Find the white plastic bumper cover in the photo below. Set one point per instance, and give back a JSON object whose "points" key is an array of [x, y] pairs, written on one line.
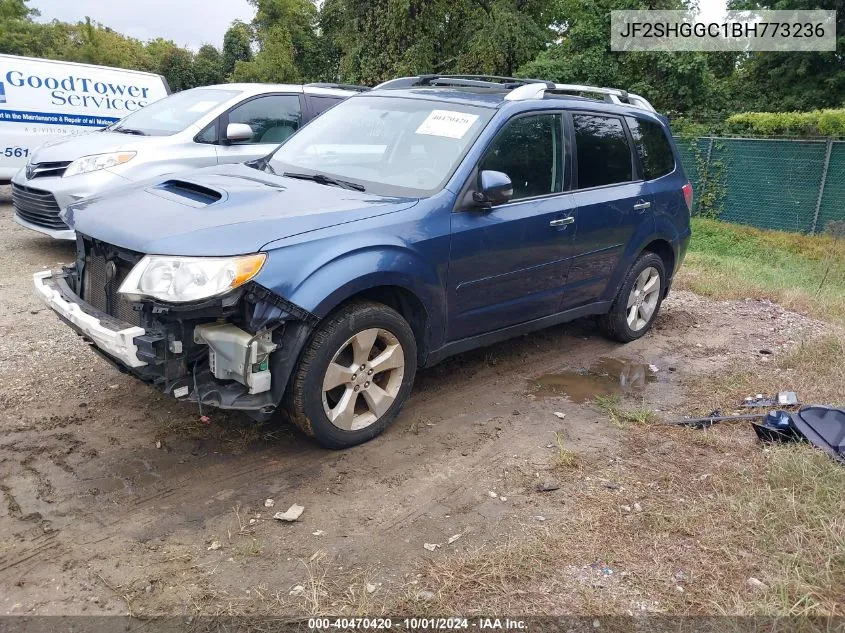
{"points": [[119, 344]]}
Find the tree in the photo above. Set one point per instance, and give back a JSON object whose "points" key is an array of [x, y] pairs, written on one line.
{"points": [[331, 28], [671, 81], [237, 46], [208, 66], [373, 40], [794, 80], [286, 32], [16, 10], [276, 62], [101, 45], [155, 52], [19, 34], [178, 67]]}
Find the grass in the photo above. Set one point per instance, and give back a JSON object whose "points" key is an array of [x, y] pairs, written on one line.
{"points": [[814, 369], [803, 503], [803, 273], [713, 515], [724, 526], [565, 458], [621, 415]]}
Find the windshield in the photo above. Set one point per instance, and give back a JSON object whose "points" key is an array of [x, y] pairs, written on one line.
{"points": [[389, 145], [174, 113]]}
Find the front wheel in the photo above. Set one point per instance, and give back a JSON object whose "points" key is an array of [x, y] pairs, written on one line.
{"points": [[638, 301], [354, 376]]}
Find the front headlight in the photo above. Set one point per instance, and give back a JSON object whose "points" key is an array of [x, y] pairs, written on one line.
{"points": [[97, 162], [180, 279]]}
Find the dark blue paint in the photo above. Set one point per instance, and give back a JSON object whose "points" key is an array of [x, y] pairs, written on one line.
{"points": [[507, 263], [605, 227], [474, 270]]}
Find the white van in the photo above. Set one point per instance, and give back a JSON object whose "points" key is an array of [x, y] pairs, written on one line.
{"points": [[42, 100]]}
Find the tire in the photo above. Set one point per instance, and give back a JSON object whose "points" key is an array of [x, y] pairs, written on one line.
{"points": [[362, 403], [619, 324]]}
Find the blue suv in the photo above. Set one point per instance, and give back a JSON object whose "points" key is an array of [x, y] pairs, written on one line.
{"points": [[429, 216]]}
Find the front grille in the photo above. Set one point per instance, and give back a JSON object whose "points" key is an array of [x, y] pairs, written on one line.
{"points": [[42, 170], [37, 207], [99, 286]]}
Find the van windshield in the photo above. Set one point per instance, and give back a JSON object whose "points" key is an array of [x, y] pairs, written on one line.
{"points": [[174, 113], [385, 145]]}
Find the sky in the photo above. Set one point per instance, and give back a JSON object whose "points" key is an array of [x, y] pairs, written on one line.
{"points": [[190, 23]]}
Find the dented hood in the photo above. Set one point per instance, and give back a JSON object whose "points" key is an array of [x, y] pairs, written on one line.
{"points": [[224, 210]]}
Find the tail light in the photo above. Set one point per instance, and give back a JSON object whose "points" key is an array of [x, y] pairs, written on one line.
{"points": [[687, 189]]}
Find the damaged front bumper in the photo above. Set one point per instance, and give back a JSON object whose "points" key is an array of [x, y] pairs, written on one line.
{"points": [[235, 352], [110, 335]]}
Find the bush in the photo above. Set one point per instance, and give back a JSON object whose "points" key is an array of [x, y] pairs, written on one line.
{"points": [[690, 128], [814, 123]]}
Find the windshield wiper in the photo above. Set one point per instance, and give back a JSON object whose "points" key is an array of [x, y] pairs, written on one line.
{"points": [[128, 130], [326, 180]]}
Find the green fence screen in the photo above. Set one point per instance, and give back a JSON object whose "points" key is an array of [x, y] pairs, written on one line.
{"points": [[784, 184]]}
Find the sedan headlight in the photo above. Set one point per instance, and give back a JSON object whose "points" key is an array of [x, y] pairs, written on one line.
{"points": [[97, 162], [181, 279]]}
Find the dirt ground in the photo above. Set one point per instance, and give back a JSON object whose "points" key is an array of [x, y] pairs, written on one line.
{"points": [[118, 500]]}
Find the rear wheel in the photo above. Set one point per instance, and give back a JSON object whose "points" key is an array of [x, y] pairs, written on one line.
{"points": [[638, 301], [354, 376]]}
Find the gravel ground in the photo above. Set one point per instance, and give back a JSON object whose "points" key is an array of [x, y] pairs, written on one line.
{"points": [[117, 499]]}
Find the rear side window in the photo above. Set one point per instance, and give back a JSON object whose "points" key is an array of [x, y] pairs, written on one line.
{"points": [[321, 104], [653, 148], [272, 118], [528, 150], [604, 157]]}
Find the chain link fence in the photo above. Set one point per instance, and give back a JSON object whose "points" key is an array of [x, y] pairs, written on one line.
{"points": [[784, 184]]}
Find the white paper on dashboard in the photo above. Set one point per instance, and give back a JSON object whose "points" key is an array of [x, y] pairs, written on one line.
{"points": [[447, 123], [202, 106]]}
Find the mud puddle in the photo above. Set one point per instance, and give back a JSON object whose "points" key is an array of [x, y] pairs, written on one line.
{"points": [[605, 377]]}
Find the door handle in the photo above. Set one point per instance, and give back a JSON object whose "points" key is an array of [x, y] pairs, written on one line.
{"points": [[562, 221], [641, 206]]}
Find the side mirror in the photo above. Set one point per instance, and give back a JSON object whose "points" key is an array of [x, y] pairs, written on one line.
{"points": [[494, 187], [238, 132]]}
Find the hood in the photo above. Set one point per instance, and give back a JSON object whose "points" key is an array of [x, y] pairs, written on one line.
{"points": [[73, 147], [224, 210]]}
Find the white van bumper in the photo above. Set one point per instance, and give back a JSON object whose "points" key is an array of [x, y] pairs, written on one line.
{"points": [[59, 234], [64, 191]]}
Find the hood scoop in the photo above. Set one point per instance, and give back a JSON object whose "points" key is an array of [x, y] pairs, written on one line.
{"points": [[188, 193]]}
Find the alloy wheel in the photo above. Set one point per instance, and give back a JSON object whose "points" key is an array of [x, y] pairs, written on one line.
{"points": [[642, 302], [363, 379]]}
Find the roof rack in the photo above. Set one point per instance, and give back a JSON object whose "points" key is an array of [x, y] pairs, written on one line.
{"points": [[520, 89], [493, 82], [611, 95], [338, 86]]}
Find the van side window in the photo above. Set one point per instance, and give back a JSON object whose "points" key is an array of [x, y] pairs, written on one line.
{"points": [[528, 150], [653, 148], [321, 104], [604, 157], [272, 118], [209, 134]]}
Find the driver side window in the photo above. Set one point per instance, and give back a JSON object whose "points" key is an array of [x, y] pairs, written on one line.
{"points": [[272, 118], [529, 150]]}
